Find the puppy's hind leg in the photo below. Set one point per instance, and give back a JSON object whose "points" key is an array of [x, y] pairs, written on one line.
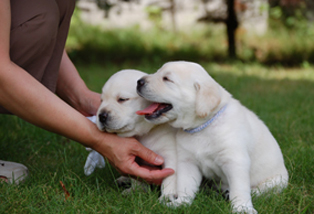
{"points": [[237, 173], [273, 185]]}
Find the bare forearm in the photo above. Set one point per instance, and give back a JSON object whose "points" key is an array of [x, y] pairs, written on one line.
{"points": [[25, 97], [69, 83], [72, 89]]}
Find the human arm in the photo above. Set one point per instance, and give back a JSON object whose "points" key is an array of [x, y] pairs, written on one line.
{"points": [[72, 89], [27, 98]]}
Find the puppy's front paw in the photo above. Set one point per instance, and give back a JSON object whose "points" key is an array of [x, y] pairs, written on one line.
{"points": [[167, 198], [180, 201], [244, 210]]}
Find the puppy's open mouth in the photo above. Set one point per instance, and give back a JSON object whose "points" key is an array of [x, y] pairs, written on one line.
{"points": [[155, 110]]}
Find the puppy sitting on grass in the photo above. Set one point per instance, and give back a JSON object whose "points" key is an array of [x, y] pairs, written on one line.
{"points": [[117, 114], [219, 138]]}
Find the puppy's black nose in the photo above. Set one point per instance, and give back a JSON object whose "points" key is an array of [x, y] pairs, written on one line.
{"points": [[103, 117], [140, 82]]}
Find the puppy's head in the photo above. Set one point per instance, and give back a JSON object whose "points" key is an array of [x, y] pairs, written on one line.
{"points": [[117, 112], [182, 93]]}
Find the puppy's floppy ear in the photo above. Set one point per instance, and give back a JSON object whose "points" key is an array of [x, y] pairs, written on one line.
{"points": [[208, 97]]}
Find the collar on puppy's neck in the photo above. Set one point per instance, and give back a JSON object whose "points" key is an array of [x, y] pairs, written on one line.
{"points": [[204, 125]]}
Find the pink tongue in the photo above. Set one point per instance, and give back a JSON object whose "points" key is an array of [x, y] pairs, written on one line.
{"points": [[149, 110]]}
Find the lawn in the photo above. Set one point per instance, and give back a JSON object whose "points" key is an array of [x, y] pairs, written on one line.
{"points": [[282, 97]]}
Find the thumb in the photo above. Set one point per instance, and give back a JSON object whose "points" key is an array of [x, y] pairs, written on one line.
{"points": [[149, 156]]}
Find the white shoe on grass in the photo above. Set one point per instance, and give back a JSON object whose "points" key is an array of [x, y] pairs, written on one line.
{"points": [[11, 172]]}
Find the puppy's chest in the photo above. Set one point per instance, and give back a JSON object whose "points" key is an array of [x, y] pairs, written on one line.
{"points": [[204, 151], [199, 146], [158, 139]]}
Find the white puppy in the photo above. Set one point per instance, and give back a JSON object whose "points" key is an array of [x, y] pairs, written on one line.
{"points": [[219, 138], [117, 114]]}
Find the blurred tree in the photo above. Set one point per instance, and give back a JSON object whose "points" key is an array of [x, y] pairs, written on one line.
{"points": [[230, 12], [294, 8], [106, 5], [252, 15], [232, 25], [172, 10], [156, 8], [224, 15], [296, 15]]}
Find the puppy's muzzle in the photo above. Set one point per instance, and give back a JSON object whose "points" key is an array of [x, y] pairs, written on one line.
{"points": [[103, 116]]}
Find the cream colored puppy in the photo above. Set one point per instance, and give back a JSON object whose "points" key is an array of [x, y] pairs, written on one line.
{"points": [[117, 114], [219, 138]]}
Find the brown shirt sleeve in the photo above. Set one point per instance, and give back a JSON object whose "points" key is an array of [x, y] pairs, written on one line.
{"points": [[39, 29]]}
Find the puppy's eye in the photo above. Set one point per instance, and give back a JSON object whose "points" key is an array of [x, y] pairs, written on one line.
{"points": [[121, 100], [166, 79]]}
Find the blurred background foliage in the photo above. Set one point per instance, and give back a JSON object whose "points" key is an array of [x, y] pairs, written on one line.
{"points": [[289, 40]]}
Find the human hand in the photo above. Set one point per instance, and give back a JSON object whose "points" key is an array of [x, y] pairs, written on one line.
{"points": [[121, 153]]}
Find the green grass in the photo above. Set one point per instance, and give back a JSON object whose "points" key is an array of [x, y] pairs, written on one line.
{"points": [[283, 99]]}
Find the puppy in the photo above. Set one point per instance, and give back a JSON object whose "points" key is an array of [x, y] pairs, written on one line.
{"points": [[218, 138], [117, 114]]}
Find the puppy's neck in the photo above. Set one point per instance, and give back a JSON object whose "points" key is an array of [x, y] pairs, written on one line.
{"points": [[207, 123], [142, 129]]}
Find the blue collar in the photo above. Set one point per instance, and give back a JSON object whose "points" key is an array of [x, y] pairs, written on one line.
{"points": [[203, 126]]}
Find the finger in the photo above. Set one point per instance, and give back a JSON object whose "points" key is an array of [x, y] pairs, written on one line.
{"points": [[152, 175], [154, 180], [148, 155]]}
